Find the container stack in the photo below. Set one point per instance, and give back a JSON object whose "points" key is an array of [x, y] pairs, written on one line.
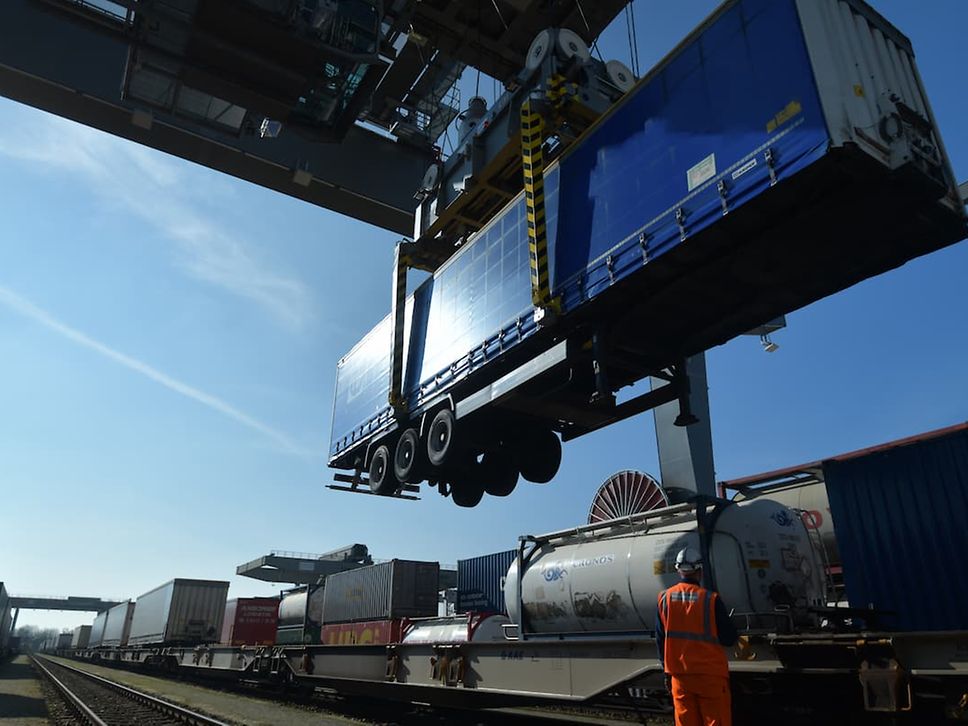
{"points": [[370, 605]]}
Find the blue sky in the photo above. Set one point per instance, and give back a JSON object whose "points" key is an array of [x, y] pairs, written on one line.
{"points": [[169, 336]]}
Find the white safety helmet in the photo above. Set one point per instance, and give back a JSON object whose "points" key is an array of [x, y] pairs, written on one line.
{"points": [[688, 560]]}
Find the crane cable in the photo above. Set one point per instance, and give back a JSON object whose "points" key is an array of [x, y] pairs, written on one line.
{"points": [[633, 37]]}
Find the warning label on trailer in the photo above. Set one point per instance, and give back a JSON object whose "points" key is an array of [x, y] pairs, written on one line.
{"points": [[701, 172]]}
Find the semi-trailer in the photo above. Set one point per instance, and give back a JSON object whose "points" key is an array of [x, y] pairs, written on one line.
{"points": [[785, 150]]}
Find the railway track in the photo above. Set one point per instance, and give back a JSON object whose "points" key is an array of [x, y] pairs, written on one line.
{"points": [[97, 701]]}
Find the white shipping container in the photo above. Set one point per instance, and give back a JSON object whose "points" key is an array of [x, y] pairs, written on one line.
{"points": [[117, 627], [870, 88], [180, 611], [81, 637], [97, 629]]}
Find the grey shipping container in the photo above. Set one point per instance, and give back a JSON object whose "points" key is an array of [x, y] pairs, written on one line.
{"points": [[480, 582], [117, 627], [180, 611], [81, 637], [63, 641], [900, 515], [97, 629], [394, 589]]}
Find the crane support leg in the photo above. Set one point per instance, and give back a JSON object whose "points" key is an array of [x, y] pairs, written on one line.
{"points": [[686, 452]]}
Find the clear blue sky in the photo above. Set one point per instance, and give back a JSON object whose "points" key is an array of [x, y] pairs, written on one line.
{"points": [[169, 336]]}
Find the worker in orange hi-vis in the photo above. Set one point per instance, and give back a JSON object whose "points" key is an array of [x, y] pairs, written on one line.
{"points": [[692, 626]]}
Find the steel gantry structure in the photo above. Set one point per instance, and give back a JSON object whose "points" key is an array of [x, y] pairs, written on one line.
{"points": [[338, 104]]}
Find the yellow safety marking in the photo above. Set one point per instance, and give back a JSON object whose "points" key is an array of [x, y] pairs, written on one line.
{"points": [[532, 132], [792, 109]]}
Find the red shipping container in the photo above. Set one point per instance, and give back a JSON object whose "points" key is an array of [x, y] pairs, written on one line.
{"points": [[250, 621], [372, 632]]}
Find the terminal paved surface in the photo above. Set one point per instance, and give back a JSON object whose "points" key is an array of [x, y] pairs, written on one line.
{"points": [[21, 698]]}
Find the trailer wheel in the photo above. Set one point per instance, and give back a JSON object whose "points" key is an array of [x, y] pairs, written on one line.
{"points": [[440, 437], [466, 492], [498, 473], [408, 459], [539, 457], [382, 480]]}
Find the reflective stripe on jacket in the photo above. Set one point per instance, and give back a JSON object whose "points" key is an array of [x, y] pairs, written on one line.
{"points": [[688, 614]]}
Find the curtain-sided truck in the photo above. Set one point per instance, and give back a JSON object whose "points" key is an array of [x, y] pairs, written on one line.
{"points": [[782, 152]]}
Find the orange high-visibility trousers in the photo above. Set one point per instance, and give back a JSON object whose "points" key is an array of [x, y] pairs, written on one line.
{"points": [[701, 700]]}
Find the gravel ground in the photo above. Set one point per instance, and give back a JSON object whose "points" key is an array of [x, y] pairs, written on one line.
{"points": [[225, 706], [22, 702]]}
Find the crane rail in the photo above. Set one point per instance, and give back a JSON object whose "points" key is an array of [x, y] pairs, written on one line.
{"points": [[85, 711]]}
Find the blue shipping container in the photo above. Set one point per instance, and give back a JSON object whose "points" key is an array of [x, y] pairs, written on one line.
{"points": [[900, 516], [480, 582], [745, 110]]}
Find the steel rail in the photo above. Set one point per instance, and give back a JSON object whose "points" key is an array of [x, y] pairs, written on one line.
{"points": [[180, 714], [73, 701]]}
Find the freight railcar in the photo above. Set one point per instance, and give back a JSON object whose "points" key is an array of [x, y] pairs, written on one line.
{"points": [[582, 606], [785, 150]]}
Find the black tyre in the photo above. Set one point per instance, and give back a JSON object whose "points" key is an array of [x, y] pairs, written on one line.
{"points": [[498, 473], [408, 458], [466, 492], [382, 480], [539, 456], [441, 436]]}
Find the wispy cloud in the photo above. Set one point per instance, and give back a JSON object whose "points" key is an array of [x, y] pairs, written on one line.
{"points": [[23, 306], [165, 195]]}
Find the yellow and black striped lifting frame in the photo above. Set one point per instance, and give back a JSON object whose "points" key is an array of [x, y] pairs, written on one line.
{"points": [[533, 135]]}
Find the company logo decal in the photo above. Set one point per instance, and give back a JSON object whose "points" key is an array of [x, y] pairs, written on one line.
{"points": [[782, 517]]}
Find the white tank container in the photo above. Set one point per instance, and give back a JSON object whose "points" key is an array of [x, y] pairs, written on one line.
{"points": [[609, 580], [457, 629], [812, 500]]}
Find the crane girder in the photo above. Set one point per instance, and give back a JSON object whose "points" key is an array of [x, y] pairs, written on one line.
{"points": [[215, 87]]}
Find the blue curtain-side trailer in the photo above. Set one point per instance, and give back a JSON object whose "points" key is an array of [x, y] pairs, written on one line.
{"points": [[782, 152]]}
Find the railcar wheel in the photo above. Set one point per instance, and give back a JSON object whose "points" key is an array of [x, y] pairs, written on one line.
{"points": [[408, 459], [382, 480], [498, 473], [441, 436], [466, 492], [539, 457]]}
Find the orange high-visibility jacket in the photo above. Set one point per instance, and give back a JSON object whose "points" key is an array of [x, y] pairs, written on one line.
{"points": [[688, 614]]}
